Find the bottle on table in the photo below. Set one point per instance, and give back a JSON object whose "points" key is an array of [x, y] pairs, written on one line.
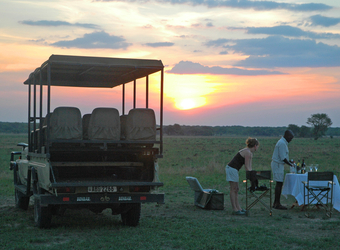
{"points": [[303, 167], [298, 167], [293, 167]]}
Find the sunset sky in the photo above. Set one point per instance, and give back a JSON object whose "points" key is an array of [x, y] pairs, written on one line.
{"points": [[227, 62]]}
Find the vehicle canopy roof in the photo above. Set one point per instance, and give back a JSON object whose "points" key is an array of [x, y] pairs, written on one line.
{"points": [[84, 71]]}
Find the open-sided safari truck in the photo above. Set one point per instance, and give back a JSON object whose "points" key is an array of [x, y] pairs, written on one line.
{"points": [[96, 161]]}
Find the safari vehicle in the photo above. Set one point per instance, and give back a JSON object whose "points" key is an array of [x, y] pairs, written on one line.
{"points": [[96, 161]]}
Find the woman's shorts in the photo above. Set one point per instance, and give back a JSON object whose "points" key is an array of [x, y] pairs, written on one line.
{"points": [[278, 171], [232, 174]]}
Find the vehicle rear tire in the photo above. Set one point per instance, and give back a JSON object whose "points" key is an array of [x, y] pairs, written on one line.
{"points": [[21, 201], [96, 210], [58, 210], [131, 216], [42, 215]]}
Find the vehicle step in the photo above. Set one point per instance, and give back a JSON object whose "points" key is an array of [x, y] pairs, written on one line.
{"points": [[21, 189], [97, 164]]}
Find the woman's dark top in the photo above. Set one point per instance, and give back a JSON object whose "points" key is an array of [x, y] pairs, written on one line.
{"points": [[237, 162]]}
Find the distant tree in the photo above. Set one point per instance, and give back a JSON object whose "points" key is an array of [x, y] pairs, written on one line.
{"points": [[305, 131], [295, 129], [320, 124]]}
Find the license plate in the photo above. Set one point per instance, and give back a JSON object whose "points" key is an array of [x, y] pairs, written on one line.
{"points": [[100, 189]]}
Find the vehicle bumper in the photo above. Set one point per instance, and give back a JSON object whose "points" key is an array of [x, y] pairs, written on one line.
{"points": [[98, 199]]}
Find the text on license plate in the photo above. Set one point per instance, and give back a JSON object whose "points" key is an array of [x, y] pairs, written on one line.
{"points": [[109, 189]]}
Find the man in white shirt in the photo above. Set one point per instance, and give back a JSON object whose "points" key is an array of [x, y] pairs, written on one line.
{"points": [[280, 157]]}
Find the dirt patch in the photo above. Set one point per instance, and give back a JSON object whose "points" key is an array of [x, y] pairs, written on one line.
{"points": [[6, 202]]}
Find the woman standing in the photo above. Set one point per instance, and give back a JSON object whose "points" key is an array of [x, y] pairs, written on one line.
{"points": [[243, 157]]}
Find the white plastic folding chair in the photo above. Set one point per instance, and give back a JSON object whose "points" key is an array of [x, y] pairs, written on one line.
{"points": [[202, 196]]}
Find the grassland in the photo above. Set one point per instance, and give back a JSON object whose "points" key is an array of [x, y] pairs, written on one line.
{"points": [[178, 224]]}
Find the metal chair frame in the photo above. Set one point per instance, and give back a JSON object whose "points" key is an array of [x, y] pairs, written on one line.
{"points": [[319, 192], [258, 194]]}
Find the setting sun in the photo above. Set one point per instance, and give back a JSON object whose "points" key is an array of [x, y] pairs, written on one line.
{"points": [[190, 103], [190, 91]]}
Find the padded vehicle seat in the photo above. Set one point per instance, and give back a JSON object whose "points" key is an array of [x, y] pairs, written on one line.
{"points": [[141, 125], [123, 119], [86, 121], [104, 124], [66, 124]]}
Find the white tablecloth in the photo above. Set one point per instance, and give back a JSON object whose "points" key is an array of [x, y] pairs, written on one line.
{"points": [[293, 186]]}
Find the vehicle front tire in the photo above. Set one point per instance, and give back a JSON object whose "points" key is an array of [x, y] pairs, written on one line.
{"points": [[42, 215], [131, 216]]}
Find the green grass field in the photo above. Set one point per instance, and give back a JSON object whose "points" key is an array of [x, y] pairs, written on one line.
{"points": [[178, 224]]}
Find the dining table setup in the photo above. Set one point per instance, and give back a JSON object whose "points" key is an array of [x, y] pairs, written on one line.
{"points": [[294, 185]]}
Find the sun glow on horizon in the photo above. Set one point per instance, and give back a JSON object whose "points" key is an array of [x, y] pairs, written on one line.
{"points": [[189, 91], [190, 103]]}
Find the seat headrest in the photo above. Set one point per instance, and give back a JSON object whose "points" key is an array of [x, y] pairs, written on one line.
{"points": [[104, 124], [65, 123], [194, 184]]}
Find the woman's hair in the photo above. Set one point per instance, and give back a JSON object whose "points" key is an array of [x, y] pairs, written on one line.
{"points": [[252, 142]]}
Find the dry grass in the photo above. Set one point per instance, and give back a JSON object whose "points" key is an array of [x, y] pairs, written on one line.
{"points": [[178, 224]]}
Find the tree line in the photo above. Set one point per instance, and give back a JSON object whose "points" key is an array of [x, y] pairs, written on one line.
{"points": [[13, 127], [319, 126], [302, 132]]}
